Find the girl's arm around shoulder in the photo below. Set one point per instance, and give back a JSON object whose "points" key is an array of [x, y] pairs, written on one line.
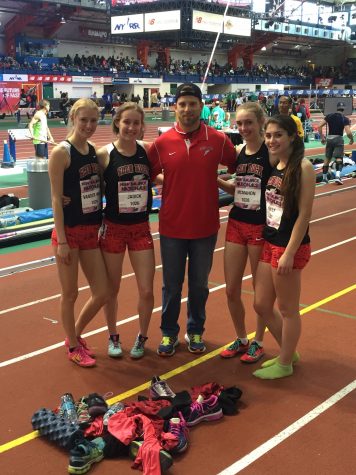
{"points": [[227, 185], [103, 157], [145, 145]]}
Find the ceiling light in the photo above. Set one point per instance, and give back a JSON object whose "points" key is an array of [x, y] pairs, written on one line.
{"points": [[263, 48], [63, 20]]}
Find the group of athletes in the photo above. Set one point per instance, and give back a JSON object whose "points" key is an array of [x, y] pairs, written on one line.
{"points": [[268, 225]]}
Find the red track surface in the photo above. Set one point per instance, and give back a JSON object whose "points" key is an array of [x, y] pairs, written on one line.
{"points": [[35, 374]]}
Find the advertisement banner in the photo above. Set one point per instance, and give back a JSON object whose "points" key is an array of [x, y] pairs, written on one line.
{"points": [[127, 24], [145, 81], [102, 80], [204, 21], [93, 33], [15, 77], [162, 21], [86, 79], [49, 78], [324, 82], [10, 94], [237, 26]]}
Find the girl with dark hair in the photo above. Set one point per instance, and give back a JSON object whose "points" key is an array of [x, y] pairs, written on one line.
{"points": [[289, 201], [126, 173]]}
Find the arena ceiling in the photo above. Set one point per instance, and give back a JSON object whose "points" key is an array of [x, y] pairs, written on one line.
{"points": [[63, 19]]}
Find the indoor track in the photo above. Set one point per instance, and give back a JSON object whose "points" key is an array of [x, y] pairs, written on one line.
{"points": [[302, 424]]}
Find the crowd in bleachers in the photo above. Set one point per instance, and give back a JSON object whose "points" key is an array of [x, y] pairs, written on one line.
{"points": [[111, 65]]}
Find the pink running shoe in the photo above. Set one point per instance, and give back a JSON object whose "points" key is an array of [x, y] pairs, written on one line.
{"points": [[81, 342], [80, 357]]}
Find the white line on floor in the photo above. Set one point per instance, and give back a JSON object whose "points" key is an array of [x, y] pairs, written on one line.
{"points": [[288, 431], [134, 317]]}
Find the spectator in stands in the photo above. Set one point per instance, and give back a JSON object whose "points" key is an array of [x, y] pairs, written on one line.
{"points": [[126, 172], [285, 108], [334, 140], [289, 200], [39, 130], [183, 232], [74, 172]]}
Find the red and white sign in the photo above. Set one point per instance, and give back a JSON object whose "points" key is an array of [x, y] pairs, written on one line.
{"points": [[324, 82], [10, 94], [49, 78]]}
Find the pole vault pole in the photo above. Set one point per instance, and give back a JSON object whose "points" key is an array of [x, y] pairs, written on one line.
{"points": [[214, 47]]}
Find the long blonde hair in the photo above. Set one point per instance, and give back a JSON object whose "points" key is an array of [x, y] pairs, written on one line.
{"points": [[80, 104]]}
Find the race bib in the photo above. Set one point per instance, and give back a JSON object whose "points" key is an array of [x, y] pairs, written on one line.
{"points": [[133, 196], [248, 192], [90, 194], [274, 208]]}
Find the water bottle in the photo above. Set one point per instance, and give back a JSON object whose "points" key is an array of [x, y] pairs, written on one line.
{"points": [[68, 408]]}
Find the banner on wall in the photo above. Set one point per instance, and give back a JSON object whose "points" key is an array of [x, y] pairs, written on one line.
{"points": [[49, 78], [324, 82], [15, 77], [102, 80], [10, 94]]}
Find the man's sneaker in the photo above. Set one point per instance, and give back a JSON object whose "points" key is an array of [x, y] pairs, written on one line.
{"points": [[159, 389], [253, 354], [168, 345], [117, 407], [195, 343], [80, 357], [204, 410], [325, 180], [114, 347], [83, 456], [236, 347], [138, 349], [81, 342], [178, 427], [165, 458], [338, 181]]}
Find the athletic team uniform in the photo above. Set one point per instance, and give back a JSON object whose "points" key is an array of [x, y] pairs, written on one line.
{"points": [[247, 217], [278, 229], [128, 202], [190, 204], [81, 183]]}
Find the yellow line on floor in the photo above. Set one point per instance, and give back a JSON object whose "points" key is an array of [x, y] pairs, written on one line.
{"points": [[132, 392]]}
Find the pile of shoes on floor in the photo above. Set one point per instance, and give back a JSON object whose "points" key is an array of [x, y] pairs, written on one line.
{"points": [[149, 430]]}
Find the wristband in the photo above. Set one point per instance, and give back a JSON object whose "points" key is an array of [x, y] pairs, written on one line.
{"points": [[62, 243]]}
